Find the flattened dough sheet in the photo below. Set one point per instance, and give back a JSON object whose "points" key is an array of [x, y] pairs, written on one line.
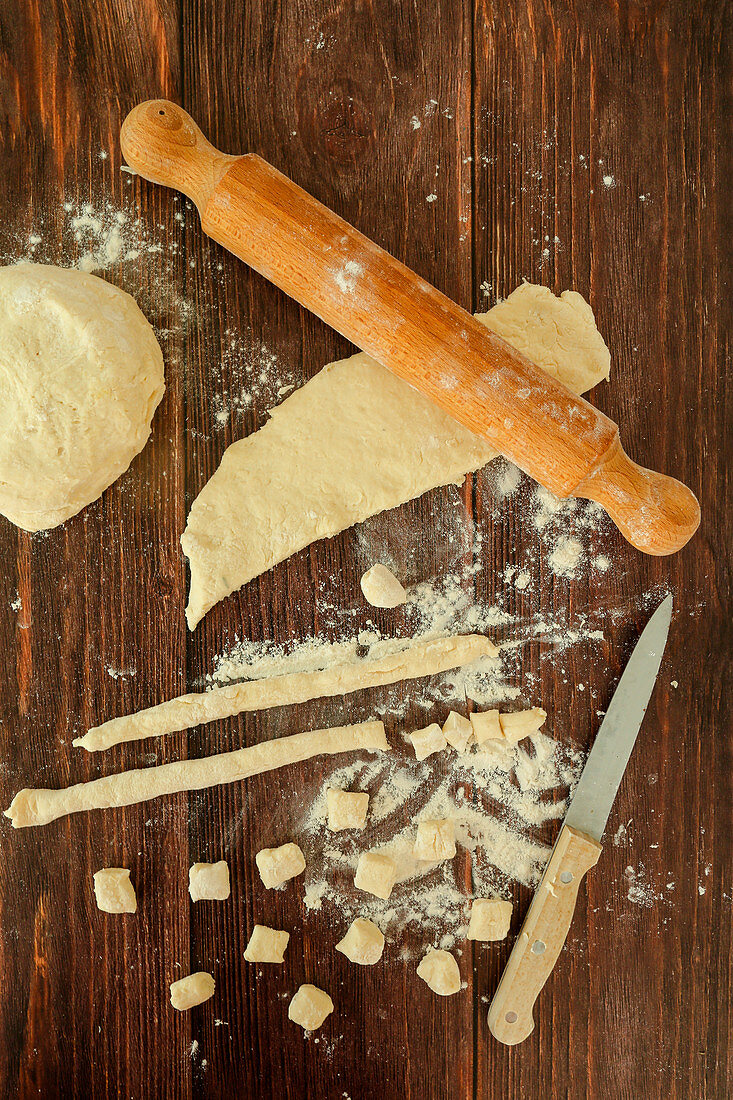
{"points": [[39, 807], [355, 440], [415, 659]]}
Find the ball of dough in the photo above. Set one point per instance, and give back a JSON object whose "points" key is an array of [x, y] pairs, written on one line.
{"points": [[81, 374]]}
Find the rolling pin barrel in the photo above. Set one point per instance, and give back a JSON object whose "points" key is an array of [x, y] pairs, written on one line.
{"points": [[410, 327]]}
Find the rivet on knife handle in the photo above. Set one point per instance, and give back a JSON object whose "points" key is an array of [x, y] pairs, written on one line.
{"points": [[410, 327], [542, 936]]}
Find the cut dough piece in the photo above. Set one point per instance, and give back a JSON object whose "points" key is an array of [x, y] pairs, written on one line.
{"points": [[81, 377], [375, 874], [440, 971], [413, 660], [427, 741], [278, 865], [381, 588], [378, 444], [521, 723], [458, 731], [266, 945], [38, 807], [363, 942], [486, 726], [309, 1007], [209, 881], [490, 919], [436, 840], [114, 891], [346, 809], [191, 991]]}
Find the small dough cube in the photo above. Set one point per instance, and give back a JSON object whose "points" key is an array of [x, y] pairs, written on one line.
{"points": [[346, 809], [375, 874], [309, 1007], [521, 723], [486, 726], [435, 840], [209, 881], [114, 891], [490, 919], [363, 942], [458, 731], [427, 741], [277, 865], [191, 991], [266, 945], [381, 588], [440, 971]]}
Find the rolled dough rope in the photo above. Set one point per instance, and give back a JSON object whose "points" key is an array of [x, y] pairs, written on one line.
{"points": [[418, 659], [39, 807]]}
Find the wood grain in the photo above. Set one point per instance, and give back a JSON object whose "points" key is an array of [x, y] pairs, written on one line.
{"points": [[523, 108]]}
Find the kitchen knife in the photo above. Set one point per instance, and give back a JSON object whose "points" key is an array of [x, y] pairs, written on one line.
{"points": [[578, 846]]}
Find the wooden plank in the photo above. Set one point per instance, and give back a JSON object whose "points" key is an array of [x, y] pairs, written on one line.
{"points": [[597, 167], [329, 99], [83, 1003]]}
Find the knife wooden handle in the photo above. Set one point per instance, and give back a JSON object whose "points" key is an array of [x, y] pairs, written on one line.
{"points": [[541, 937], [410, 327]]}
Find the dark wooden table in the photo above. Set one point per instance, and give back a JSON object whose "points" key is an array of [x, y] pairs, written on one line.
{"points": [[523, 107]]}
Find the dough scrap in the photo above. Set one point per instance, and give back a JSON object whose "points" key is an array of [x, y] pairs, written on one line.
{"points": [[209, 881], [458, 731], [375, 874], [363, 943], [381, 588], [521, 723], [81, 374], [279, 865], [415, 659], [114, 891], [436, 840], [39, 807], [378, 444], [486, 726], [439, 970], [427, 741], [266, 945], [309, 1007], [490, 919], [346, 809], [192, 990]]}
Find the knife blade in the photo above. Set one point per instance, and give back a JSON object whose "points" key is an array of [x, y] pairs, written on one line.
{"points": [[577, 848]]}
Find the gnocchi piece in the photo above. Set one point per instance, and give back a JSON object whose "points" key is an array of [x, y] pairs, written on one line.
{"points": [[428, 740], [309, 1007], [381, 588], [521, 723], [439, 970], [191, 991], [114, 891], [490, 919], [346, 809], [375, 874], [209, 881], [277, 865], [458, 731], [435, 840], [487, 726], [363, 942], [266, 945]]}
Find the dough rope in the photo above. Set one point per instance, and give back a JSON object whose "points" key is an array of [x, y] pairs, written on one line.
{"points": [[39, 807], [417, 659]]}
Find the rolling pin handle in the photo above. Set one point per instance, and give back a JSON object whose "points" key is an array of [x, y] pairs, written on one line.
{"points": [[654, 512], [164, 145]]}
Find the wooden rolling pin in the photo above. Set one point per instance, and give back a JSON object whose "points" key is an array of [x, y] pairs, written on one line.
{"points": [[410, 327]]}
